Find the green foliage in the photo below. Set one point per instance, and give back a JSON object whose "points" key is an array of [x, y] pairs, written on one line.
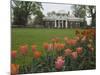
{"points": [[23, 9], [79, 10]]}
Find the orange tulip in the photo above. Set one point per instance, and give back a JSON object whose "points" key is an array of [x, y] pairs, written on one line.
{"points": [[74, 55], [79, 50], [59, 46], [13, 54], [23, 49], [14, 69], [55, 40], [71, 42], [67, 52], [62, 46], [37, 54], [46, 46]]}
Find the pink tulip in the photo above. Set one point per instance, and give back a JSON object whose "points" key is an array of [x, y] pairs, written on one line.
{"points": [[50, 47], [74, 55], [79, 50], [23, 49], [67, 52], [59, 63]]}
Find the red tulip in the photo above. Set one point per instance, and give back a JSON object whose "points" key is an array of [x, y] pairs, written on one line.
{"points": [[13, 54], [79, 50], [23, 49], [91, 49], [74, 55], [33, 48]]}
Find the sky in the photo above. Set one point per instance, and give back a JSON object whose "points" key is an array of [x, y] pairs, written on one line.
{"points": [[48, 7]]}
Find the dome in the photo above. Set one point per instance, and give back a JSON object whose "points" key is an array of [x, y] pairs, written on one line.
{"points": [[62, 12]]}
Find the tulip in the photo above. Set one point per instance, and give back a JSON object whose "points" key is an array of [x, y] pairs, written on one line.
{"points": [[89, 45], [37, 54], [59, 46], [14, 69], [13, 54], [77, 38], [67, 52], [91, 49], [59, 63], [71, 42], [55, 40], [83, 39], [74, 55], [46, 46], [33, 48], [23, 49], [79, 50], [50, 47], [62, 46], [65, 38]]}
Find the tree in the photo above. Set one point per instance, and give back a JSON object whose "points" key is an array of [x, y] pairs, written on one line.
{"points": [[82, 11], [79, 11], [39, 18], [92, 13], [23, 9], [51, 13]]}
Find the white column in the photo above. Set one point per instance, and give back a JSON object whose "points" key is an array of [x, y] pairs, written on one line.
{"points": [[66, 24], [55, 24], [62, 24], [58, 23]]}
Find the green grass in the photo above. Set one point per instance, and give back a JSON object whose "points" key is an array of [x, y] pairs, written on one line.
{"points": [[36, 36]]}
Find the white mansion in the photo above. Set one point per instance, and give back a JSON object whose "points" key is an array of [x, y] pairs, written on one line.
{"points": [[62, 20]]}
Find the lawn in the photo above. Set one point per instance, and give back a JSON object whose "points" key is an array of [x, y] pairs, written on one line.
{"points": [[37, 36], [31, 36]]}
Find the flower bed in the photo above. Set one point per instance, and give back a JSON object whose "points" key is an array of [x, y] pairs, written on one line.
{"points": [[74, 54]]}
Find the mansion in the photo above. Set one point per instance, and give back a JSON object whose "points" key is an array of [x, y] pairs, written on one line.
{"points": [[62, 20]]}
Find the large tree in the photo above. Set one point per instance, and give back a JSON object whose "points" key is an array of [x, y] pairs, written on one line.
{"points": [[38, 20], [79, 10], [92, 13], [83, 10], [23, 9]]}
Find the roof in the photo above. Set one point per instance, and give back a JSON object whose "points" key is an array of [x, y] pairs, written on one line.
{"points": [[69, 18]]}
